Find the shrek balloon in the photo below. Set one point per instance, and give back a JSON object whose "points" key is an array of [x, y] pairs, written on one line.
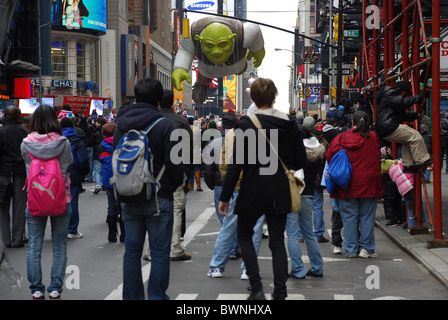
{"points": [[222, 46]]}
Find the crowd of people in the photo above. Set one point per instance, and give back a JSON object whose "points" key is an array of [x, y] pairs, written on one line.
{"points": [[245, 200]]}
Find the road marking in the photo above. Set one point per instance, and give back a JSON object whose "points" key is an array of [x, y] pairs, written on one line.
{"points": [[208, 234], [191, 232], [344, 297], [306, 259], [187, 296]]}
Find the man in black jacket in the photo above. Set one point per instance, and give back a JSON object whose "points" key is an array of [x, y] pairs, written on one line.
{"points": [[180, 195], [392, 105], [12, 179], [140, 215]]}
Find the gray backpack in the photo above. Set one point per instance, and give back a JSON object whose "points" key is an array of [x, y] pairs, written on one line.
{"points": [[132, 166]]}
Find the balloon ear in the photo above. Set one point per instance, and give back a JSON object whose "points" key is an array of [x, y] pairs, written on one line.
{"points": [[233, 36], [198, 38]]}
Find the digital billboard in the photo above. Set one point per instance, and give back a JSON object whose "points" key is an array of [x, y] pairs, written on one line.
{"points": [[88, 16], [28, 106]]}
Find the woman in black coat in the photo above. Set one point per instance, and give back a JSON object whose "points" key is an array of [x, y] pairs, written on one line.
{"points": [[264, 190]]}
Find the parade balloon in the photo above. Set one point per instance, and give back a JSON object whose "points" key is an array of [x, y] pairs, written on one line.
{"points": [[222, 46]]}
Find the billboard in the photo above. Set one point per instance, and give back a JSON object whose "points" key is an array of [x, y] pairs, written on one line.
{"points": [[88, 16], [108, 44], [7, 8], [129, 64]]}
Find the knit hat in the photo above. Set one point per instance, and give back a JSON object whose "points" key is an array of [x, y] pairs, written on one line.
{"points": [[66, 123], [341, 108], [108, 129], [309, 123], [386, 153], [228, 120]]}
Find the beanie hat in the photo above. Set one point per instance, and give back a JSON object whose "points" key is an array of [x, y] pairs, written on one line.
{"points": [[341, 108], [228, 120], [386, 153], [66, 123], [309, 123], [108, 129]]}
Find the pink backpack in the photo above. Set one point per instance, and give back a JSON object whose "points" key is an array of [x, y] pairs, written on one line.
{"points": [[46, 188]]}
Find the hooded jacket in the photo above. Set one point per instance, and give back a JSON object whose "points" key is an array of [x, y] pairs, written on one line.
{"points": [[392, 110], [364, 155], [48, 146], [138, 116], [106, 152], [264, 193]]}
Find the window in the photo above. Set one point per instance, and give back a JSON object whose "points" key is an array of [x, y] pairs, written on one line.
{"points": [[80, 61], [59, 59], [93, 70]]}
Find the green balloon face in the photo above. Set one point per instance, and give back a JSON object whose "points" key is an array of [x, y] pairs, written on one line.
{"points": [[217, 42]]}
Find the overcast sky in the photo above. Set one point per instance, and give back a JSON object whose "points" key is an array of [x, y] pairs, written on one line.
{"points": [[275, 64]]}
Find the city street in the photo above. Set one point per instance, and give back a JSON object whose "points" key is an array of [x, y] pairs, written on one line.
{"points": [[393, 275]]}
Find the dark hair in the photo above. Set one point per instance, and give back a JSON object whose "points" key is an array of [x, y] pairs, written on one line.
{"points": [[403, 86], [45, 121], [167, 99], [361, 121], [101, 120], [263, 92], [148, 91]]}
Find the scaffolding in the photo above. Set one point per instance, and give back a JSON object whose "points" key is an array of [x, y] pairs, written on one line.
{"points": [[414, 40]]}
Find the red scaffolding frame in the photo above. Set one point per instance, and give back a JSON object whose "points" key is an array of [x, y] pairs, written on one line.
{"points": [[410, 72]]}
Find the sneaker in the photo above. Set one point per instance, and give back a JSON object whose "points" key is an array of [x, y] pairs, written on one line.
{"points": [[336, 250], [55, 295], [392, 223], [38, 296], [97, 190], [365, 254], [351, 255], [77, 235], [244, 275], [214, 273]]}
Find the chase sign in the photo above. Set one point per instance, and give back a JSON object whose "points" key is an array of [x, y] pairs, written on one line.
{"points": [[201, 5]]}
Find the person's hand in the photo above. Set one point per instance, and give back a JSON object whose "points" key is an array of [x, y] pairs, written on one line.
{"points": [[223, 208]]}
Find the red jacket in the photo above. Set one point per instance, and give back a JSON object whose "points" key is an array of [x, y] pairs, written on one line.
{"points": [[364, 155]]}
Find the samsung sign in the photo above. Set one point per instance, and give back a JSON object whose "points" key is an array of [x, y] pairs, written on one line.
{"points": [[201, 5]]}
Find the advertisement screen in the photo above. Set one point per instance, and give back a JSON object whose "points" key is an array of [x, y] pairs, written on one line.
{"points": [[80, 15], [97, 105], [28, 106]]}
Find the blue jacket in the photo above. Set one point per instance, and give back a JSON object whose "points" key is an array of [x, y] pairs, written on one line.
{"points": [[107, 149], [80, 166]]}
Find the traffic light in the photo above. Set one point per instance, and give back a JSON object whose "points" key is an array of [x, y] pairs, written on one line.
{"points": [[333, 92], [302, 94], [186, 28], [336, 31]]}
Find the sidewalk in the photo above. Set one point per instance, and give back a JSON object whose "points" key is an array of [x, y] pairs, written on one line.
{"points": [[435, 260]]}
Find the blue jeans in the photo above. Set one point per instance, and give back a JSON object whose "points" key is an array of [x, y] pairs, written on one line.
{"points": [[90, 152], [358, 218], [409, 199], [139, 219], [36, 233], [97, 170], [318, 203], [228, 237], [75, 189], [304, 219]]}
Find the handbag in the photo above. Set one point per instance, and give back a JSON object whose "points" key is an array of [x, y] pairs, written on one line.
{"points": [[340, 169], [295, 178]]}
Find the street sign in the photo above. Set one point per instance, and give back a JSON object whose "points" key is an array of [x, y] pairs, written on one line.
{"points": [[351, 33], [333, 72]]}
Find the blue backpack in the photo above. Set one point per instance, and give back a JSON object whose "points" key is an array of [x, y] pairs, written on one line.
{"points": [[339, 171], [132, 165]]}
